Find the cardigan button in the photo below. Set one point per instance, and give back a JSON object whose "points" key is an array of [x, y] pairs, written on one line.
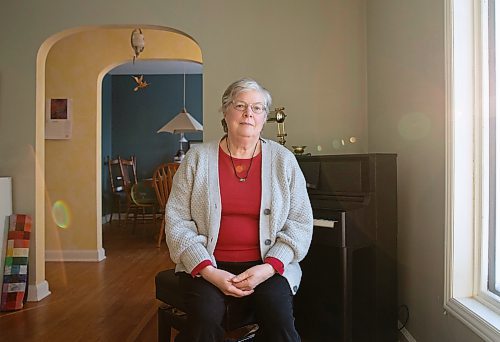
{"points": [[267, 211], [267, 242], [295, 288]]}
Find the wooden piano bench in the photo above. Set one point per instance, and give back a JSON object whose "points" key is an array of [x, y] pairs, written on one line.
{"points": [[239, 325]]}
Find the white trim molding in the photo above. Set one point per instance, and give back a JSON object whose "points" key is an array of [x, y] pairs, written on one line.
{"points": [[477, 316], [38, 292], [405, 334], [90, 255]]}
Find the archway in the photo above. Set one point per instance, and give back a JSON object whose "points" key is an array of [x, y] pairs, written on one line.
{"points": [[71, 65]]}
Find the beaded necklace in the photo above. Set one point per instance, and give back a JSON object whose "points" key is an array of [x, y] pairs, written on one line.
{"points": [[241, 179]]}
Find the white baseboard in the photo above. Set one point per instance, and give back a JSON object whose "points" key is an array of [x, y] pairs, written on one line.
{"points": [[406, 334], [76, 255], [101, 254], [38, 292]]}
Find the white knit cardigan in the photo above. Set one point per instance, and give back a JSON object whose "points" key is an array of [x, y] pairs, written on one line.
{"points": [[193, 211]]}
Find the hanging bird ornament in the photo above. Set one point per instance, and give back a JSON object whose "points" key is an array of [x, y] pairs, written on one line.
{"points": [[140, 82], [137, 42]]}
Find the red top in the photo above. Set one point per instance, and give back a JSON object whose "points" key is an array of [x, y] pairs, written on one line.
{"points": [[239, 226], [238, 239]]}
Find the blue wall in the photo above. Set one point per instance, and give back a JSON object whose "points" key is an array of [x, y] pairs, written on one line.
{"points": [[134, 118]]}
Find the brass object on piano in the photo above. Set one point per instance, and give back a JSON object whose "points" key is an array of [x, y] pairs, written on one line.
{"points": [[279, 118], [298, 150]]}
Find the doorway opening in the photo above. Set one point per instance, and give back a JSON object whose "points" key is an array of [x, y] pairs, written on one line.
{"points": [[131, 118]]}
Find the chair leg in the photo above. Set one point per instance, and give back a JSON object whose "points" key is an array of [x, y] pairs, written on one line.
{"points": [[164, 329], [119, 212], [135, 220], [126, 216], [161, 232], [129, 208], [116, 205]]}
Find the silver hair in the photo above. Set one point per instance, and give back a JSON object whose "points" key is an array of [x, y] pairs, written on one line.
{"points": [[242, 85]]}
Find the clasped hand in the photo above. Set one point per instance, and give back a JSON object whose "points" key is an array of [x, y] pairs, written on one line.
{"points": [[240, 285]]}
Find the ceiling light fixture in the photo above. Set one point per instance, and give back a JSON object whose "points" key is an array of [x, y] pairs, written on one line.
{"points": [[182, 123]]}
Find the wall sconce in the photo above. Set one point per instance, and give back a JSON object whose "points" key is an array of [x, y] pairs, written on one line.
{"points": [[279, 118], [137, 42]]}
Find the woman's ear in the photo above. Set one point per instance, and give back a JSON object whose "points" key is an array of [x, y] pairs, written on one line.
{"points": [[224, 124]]}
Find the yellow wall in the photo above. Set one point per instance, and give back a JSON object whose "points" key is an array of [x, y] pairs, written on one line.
{"points": [[74, 69]]}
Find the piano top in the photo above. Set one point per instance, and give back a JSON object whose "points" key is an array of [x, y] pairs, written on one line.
{"points": [[340, 182]]}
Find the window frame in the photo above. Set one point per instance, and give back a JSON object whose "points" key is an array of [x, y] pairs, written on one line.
{"points": [[466, 92]]}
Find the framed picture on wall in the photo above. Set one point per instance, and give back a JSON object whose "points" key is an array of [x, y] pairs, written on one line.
{"points": [[59, 109], [58, 118]]}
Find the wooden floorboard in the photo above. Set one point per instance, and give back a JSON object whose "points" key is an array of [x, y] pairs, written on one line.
{"points": [[111, 300]]}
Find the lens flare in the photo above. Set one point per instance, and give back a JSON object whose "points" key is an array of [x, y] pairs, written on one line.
{"points": [[414, 126], [61, 214], [336, 144], [319, 148]]}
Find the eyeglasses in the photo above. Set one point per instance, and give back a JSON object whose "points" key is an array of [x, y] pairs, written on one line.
{"points": [[257, 108]]}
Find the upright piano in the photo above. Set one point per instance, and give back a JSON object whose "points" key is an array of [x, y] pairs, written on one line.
{"points": [[349, 284]]}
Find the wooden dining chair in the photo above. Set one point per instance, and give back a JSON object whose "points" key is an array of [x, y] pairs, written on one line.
{"points": [[129, 178], [128, 169], [118, 193], [144, 199], [162, 182], [137, 202], [172, 168], [162, 185]]}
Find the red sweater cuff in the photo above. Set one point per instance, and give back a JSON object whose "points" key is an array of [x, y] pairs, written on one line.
{"points": [[200, 266], [276, 264]]}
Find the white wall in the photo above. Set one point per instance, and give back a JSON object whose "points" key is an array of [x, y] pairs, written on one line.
{"points": [[406, 115]]}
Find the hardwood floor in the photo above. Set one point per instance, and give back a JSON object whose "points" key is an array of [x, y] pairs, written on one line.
{"points": [[113, 300]]}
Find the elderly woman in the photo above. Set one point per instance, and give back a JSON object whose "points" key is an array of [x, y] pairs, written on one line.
{"points": [[238, 221]]}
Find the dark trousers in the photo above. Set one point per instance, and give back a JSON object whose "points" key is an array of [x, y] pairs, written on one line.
{"points": [[272, 302]]}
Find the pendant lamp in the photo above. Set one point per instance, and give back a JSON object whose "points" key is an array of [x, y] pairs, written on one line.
{"points": [[180, 124]]}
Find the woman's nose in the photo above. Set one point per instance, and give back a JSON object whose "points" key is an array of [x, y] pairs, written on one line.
{"points": [[248, 111]]}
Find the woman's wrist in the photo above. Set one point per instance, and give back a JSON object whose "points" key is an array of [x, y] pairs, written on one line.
{"points": [[206, 271], [269, 269], [276, 264], [196, 271]]}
